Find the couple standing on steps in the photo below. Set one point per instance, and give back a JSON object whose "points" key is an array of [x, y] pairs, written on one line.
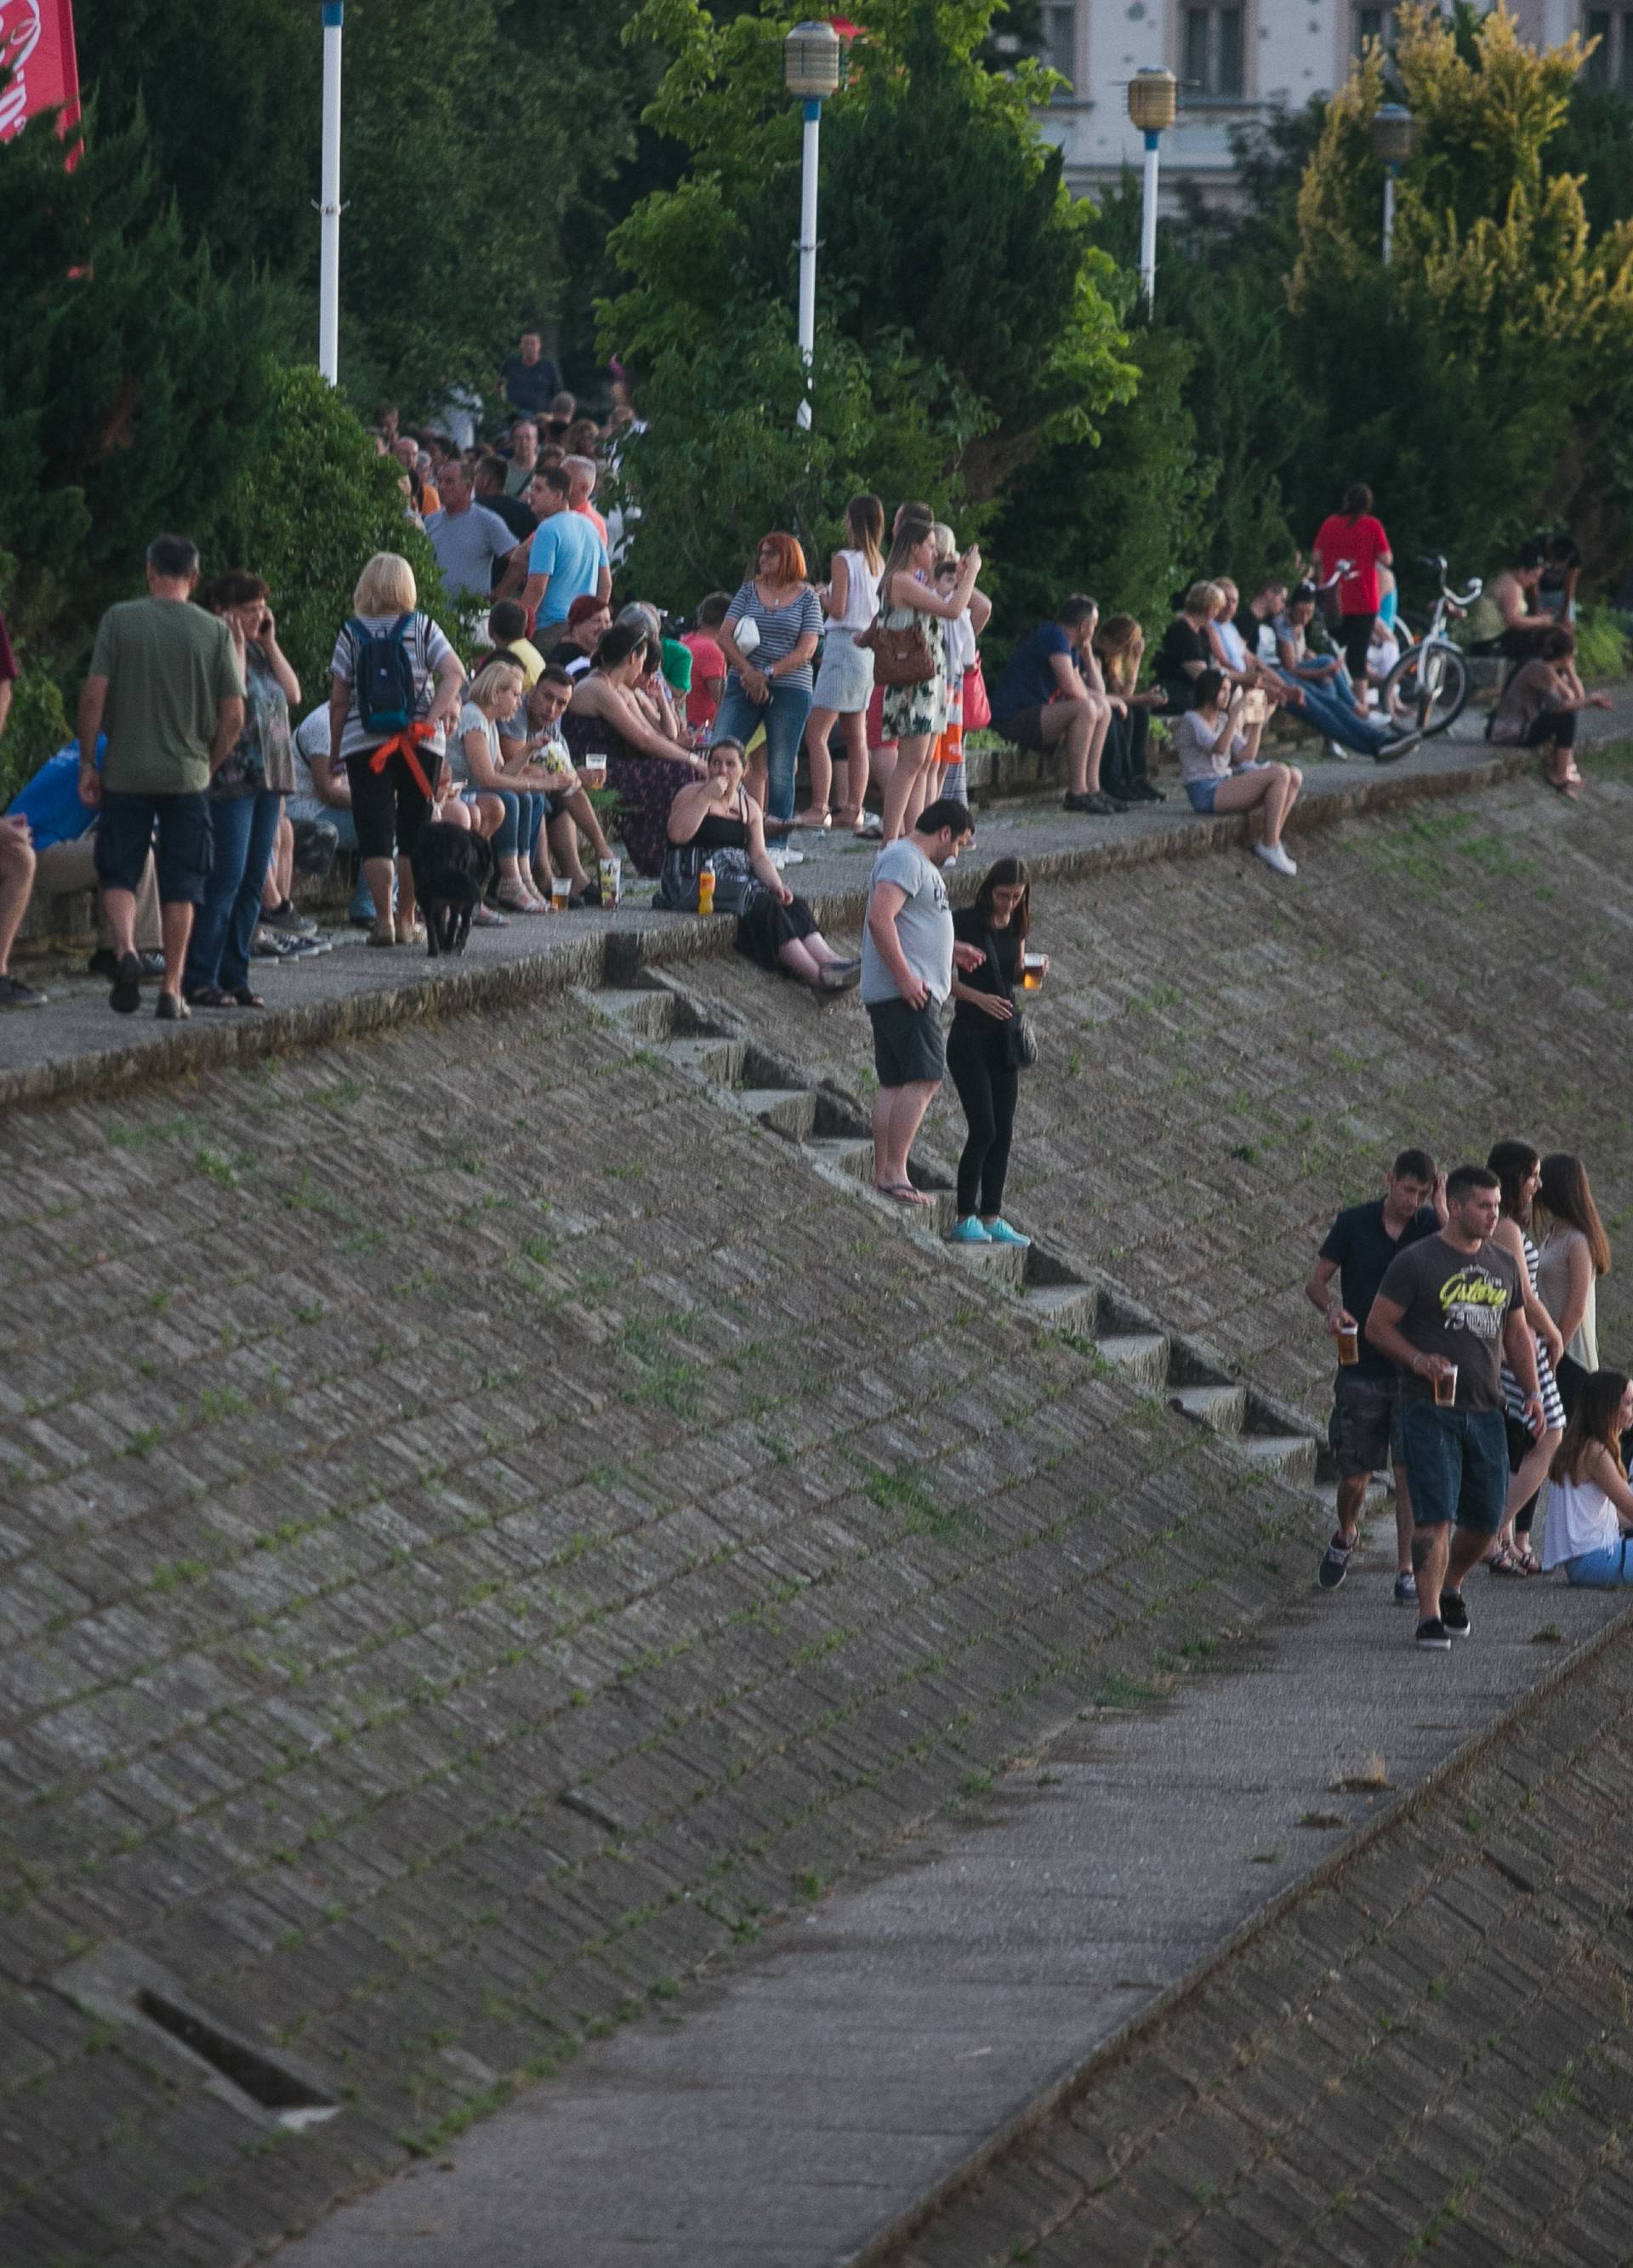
{"points": [[915, 952]]}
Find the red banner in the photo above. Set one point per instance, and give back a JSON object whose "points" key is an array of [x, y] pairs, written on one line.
{"points": [[37, 62]]}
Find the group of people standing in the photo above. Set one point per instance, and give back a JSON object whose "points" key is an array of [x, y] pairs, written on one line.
{"points": [[1463, 1310]]}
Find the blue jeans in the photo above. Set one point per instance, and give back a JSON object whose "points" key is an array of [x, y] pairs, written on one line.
{"points": [[1333, 719], [1457, 1463], [1601, 1571], [518, 831], [339, 817], [784, 717], [246, 835]]}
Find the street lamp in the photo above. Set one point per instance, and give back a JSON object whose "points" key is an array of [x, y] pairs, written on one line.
{"points": [[1153, 99], [811, 60], [329, 258], [1393, 130]]}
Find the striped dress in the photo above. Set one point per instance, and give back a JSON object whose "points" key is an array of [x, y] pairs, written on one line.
{"points": [[1513, 1393]]}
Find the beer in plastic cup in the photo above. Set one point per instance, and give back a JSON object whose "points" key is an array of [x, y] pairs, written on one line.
{"points": [[611, 881], [1032, 972], [595, 768], [561, 890], [1445, 1388], [1349, 1344]]}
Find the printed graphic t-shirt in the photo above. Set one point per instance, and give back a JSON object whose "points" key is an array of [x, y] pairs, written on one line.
{"points": [[1453, 1304]]}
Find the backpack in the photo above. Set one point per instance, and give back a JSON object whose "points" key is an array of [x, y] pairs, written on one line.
{"points": [[387, 695]]}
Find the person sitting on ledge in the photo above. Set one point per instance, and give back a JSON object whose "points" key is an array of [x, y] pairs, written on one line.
{"points": [[646, 769], [1589, 1505], [1539, 708], [716, 822], [1220, 769], [568, 810]]}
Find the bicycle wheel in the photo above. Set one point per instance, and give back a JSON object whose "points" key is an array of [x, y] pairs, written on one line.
{"points": [[1427, 689]]}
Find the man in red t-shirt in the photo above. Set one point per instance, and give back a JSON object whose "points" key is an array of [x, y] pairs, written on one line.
{"points": [[1353, 539]]}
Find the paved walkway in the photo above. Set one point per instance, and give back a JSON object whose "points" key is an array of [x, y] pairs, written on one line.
{"points": [[76, 1044], [796, 2112]]}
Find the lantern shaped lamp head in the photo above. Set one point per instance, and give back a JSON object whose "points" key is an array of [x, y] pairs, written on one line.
{"points": [[1153, 99], [811, 61], [1394, 132]]}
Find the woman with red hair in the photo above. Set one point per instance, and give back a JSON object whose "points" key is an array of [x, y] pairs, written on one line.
{"points": [[768, 636]]}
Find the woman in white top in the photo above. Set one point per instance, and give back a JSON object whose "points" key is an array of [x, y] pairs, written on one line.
{"points": [[844, 684], [1220, 770], [1573, 1252], [960, 638], [515, 782], [1590, 1505]]}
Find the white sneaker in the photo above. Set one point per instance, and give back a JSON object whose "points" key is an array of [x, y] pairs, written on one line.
{"points": [[1273, 855]]}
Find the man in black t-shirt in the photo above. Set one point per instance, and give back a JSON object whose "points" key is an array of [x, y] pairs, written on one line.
{"points": [[1364, 1426], [530, 381]]}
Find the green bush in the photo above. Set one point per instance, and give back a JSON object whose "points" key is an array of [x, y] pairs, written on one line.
{"points": [[315, 503], [37, 725], [1601, 643]]}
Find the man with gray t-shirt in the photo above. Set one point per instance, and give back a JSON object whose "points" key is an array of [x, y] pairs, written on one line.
{"points": [[907, 954]]}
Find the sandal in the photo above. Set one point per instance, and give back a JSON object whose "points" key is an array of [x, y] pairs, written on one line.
{"points": [[1526, 1562], [1503, 1562], [903, 1192], [208, 995], [246, 999], [812, 821]]}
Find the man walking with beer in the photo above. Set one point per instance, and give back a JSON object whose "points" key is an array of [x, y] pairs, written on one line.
{"points": [[1365, 1427], [1448, 1314]]}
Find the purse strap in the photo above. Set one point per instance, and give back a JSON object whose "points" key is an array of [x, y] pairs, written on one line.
{"points": [[1006, 992]]}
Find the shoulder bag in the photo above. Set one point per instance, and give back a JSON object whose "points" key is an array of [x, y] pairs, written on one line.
{"points": [[1020, 1032], [901, 657]]}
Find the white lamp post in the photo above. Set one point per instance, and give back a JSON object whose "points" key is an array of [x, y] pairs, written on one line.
{"points": [[811, 60], [1153, 101], [329, 262], [1394, 132]]}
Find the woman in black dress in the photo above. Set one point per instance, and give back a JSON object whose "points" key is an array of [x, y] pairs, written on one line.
{"points": [[644, 767], [716, 822], [980, 1048]]}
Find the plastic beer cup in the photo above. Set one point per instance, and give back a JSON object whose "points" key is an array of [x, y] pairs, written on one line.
{"points": [[1349, 1344], [1445, 1388]]}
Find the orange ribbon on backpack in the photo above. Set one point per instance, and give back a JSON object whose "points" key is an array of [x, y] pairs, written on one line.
{"points": [[406, 744]]}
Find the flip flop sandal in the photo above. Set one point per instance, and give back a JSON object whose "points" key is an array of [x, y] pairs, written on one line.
{"points": [[246, 999], [209, 996], [902, 1192]]}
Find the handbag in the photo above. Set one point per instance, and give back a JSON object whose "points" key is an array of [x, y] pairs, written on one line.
{"points": [[1020, 1033], [977, 703], [900, 657]]}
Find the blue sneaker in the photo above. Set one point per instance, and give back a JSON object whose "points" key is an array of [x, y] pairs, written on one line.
{"points": [[969, 1230], [999, 1232]]}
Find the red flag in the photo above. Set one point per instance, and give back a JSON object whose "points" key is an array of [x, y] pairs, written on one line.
{"points": [[38, 62]]}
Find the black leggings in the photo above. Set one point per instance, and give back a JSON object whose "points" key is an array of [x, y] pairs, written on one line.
{"points": [[387, 809], [987, 1084], [1122, 763], [1354, 634], [1553, 728]]}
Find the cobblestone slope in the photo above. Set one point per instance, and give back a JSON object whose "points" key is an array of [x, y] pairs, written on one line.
{"points": [[481, 1528], [1429, 2056], [1229, 1057]]}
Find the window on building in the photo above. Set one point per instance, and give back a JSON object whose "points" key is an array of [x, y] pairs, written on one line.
{"points": [[1059, 24], [1210, 51], [1374, 23], [1611, 62]]}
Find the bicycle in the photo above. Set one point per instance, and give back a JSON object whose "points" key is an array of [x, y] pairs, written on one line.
{"points": [[1427, 690]]}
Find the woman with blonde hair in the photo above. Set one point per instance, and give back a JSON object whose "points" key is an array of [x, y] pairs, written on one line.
{"points": [[769, 636], [1187, 650], [914, 715], [952, 776], [844, 683], [1590, 1505], [391, 668], [517, 786], [1119, 643]]}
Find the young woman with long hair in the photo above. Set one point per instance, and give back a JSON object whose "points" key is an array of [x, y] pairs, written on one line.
{"points": [[1590, 1505], [916, 715], [844, 684], [1119, 643], [1520, 1170], [1573, 1252], [980, 1051]]}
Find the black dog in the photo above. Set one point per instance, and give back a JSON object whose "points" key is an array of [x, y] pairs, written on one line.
{"points": [[452, 867]]}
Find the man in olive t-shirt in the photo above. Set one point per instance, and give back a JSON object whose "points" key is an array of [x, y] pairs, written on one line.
{"points": [[1452, 1304], [166, 687]]}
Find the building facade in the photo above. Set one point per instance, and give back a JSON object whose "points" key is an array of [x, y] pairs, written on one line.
{"points": [[1238, 62]]}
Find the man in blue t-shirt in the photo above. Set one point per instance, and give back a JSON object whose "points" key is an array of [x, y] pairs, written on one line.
{"points": [[567, 559], [1053, 693], [1365, 1429], [64, 832]]}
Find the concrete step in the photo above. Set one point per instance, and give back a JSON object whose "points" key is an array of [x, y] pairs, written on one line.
{"points": [[1003, 1263], [1292, 1454], [790, 1110], [1061, 1307], [1141, 1357], [650, 1014], [851, 1153], [717, 1059], [1221, 1407]]}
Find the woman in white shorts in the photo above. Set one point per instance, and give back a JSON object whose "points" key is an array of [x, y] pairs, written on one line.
{"points": [[844, 684]]}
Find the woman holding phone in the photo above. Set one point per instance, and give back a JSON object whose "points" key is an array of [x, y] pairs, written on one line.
{"points": [[981, 1046], [1221, 771]]}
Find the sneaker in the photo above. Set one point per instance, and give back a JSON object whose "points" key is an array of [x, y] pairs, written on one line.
{"points": [[171, 1009], [103, 963], [305, 948], [839, 975], [285, 918], [15, 994], [1335, 1562], [999, 1232], [1143, 792], [1454, 1614], [1406, 1590], [1096, 802], [1274, 857], [1396, 746], [126, 997], [1432, 1636], [968, 1231]]}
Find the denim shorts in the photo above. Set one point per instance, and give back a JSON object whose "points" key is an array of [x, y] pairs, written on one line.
{"points": [[1202, 793], [1457, 1465], [1364, 1431]]}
